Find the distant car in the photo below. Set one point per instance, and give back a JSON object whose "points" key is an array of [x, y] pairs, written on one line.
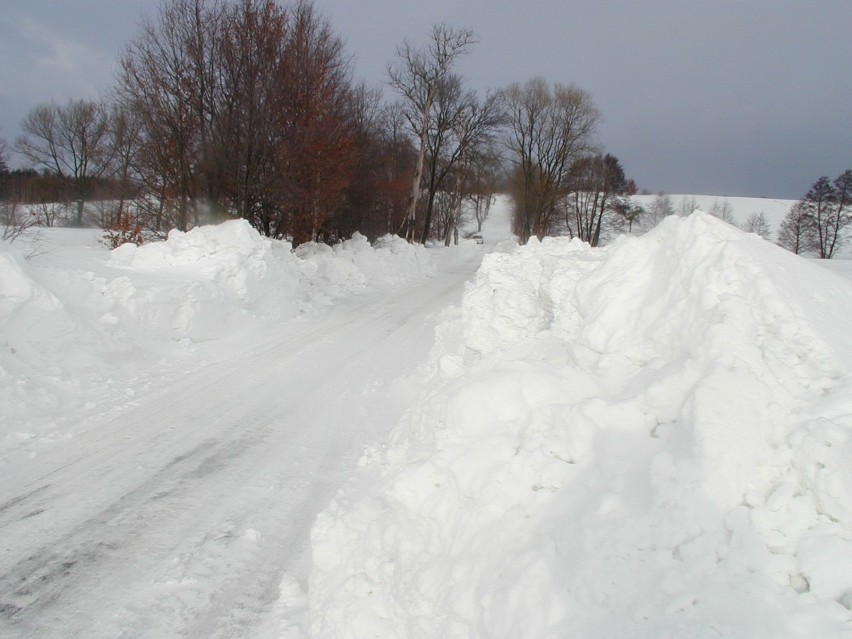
{"points": [[477, 237]]}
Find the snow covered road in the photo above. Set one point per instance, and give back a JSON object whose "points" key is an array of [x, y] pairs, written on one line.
{"points": [[181, 513]]}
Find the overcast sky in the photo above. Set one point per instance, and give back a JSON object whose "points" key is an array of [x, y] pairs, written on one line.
{"points": [[717, 97]]}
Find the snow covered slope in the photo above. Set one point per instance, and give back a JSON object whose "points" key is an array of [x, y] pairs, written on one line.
{"points": [[648, 440]]}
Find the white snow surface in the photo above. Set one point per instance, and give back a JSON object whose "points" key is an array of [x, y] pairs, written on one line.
{"points": [[64, 328], [220, 436], [652, 439], [173, 416]]}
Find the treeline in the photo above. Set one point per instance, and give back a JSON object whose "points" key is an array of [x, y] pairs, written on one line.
{"points": [[239, 109], [248, 108]]}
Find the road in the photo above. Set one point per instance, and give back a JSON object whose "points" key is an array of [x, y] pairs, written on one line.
{"points": [[182, 515]]}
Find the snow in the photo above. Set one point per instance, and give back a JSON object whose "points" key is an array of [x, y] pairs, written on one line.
{"points": [[741, 207], [174, 415], [218, 435], [648, 440], [66, 327]]}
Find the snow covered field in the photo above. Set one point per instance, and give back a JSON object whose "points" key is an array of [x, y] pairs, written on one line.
{"points": [[216, 436]]}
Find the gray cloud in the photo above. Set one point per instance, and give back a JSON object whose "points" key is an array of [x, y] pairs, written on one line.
{"points": [[736, 97]]}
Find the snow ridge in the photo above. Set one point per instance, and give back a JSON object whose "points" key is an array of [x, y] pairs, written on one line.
{"points": [[68, 332], [649, 440]]}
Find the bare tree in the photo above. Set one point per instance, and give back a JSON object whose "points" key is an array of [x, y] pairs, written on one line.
{"points": [[248, 110], [797, 232], [463, 126], [252, 55], [315, 117], [828, 205], [661, 208], [723, 210], [758, 224], [549, 128], [595, 182], [418, 75], [15, 221], [628, 210], [688, 205], [126, 139], [483, 186], [165, 76], [72, 141], [46, 213]]}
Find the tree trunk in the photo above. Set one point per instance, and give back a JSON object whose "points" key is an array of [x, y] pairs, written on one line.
{"points": [[411, 213]]}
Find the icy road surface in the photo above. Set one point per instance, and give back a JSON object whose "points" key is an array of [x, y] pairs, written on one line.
{"points": [[181, 516]]}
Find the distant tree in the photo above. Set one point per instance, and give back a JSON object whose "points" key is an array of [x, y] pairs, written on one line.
{"points": [[374, 201], [5, 173], [549, 128], [796, 232], [661, 208], [15, 220], [630, 188], [828, 205], [484, 183], [245, 135], [464, 127], [758, 224], [126, 138], [628, 210], [595, 182], [164, 76], [418, 75], [70, 140], [247, 109], [723, 210], [316, 156], [688, 205]]}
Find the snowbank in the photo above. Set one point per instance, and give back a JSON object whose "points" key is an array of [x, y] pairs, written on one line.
{"points": [[649, 440], [67, 329]]}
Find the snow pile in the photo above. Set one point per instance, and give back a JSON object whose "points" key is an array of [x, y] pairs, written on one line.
{"points": [[34, 325], [206, 282], [67, 330], [354, 262], [649, 440]]}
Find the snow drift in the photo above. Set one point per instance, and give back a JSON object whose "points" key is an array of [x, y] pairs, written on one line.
{"points": [[71, 334], [648, 440]]}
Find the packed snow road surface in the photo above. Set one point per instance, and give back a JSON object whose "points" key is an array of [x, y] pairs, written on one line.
{"points": [[177, 505]]}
